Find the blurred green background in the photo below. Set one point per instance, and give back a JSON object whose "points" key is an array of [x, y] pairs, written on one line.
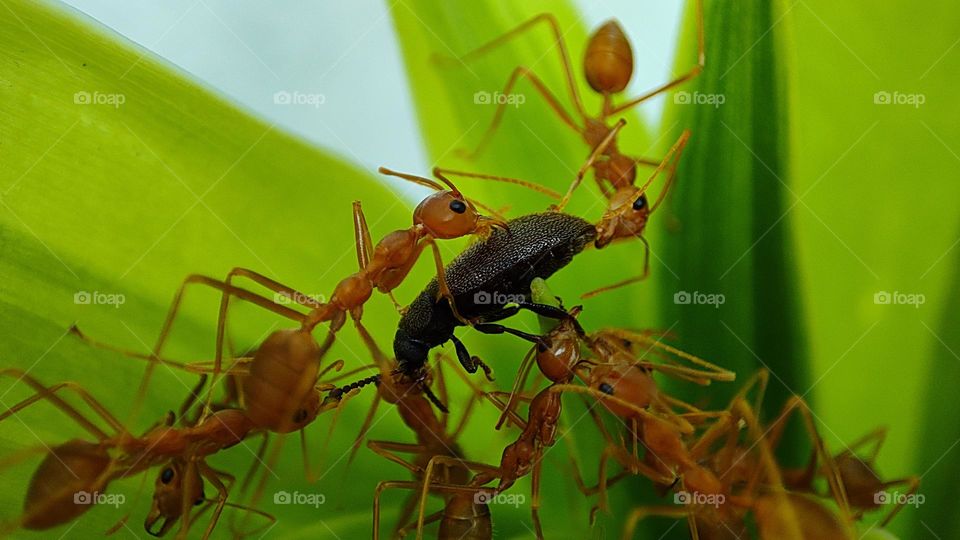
{"points": [[815, 187]]}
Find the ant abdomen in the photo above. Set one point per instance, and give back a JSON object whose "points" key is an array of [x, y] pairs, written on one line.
{"points": [[62, 486], [465, 519], [282, 376], [608, 62]]}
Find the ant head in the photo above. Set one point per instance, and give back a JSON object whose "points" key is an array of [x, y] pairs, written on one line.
{"points": [[626, 216], [626, 381], [608, 62], [168, 497], [447, 214], [560, 352]]}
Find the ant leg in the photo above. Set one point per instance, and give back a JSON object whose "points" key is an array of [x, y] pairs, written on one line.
{"points": [[364, 428], [279, 290], [551, 22], [594, 156], [443, 286], [875, 437], [669, 163], [471, 363], [535, 497], [387, 449], [515, 419], [255, 464], [692, 73], [518, 383], [628, 281], [191, 475], [222, 494], [191, 399], [477, 394], [797, 404], [173, 311], [541, 88], [50, 394], [361, 235], [711, 371], [912, 483], [76, 332], [381, 487]]}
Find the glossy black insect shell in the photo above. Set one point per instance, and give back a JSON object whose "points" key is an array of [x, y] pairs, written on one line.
{"points": [[487, 275]]}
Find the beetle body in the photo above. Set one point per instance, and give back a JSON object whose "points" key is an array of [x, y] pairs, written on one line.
{"points": [[489, 274]]}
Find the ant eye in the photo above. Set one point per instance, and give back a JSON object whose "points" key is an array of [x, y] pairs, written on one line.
{"points": [[167, 475], [458, 206], [640, 203], [606, 389]]}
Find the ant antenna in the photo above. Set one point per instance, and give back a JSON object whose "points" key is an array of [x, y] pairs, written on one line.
{"points": [[432, 184], [338, 393]]}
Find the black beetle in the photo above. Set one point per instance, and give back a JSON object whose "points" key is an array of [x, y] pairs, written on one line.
{"points": [[490, 281]]}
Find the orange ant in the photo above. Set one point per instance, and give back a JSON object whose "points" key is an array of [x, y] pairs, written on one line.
{"points": [[275, 399], [412, 398], [627, 214], [863, 486], [744, 478], [80, 466], [558, 355], [608, 68]]}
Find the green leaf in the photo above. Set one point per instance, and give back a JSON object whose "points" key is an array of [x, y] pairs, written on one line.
{"points": [[736, 291], [935, 460], [120, 176], [879, 187]]}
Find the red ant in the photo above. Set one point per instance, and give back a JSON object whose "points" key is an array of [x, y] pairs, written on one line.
{"points": [[627, 213], [742, 477], [863, 486], [285, 360], [608, 67], [412, 398], [558, 356]]}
